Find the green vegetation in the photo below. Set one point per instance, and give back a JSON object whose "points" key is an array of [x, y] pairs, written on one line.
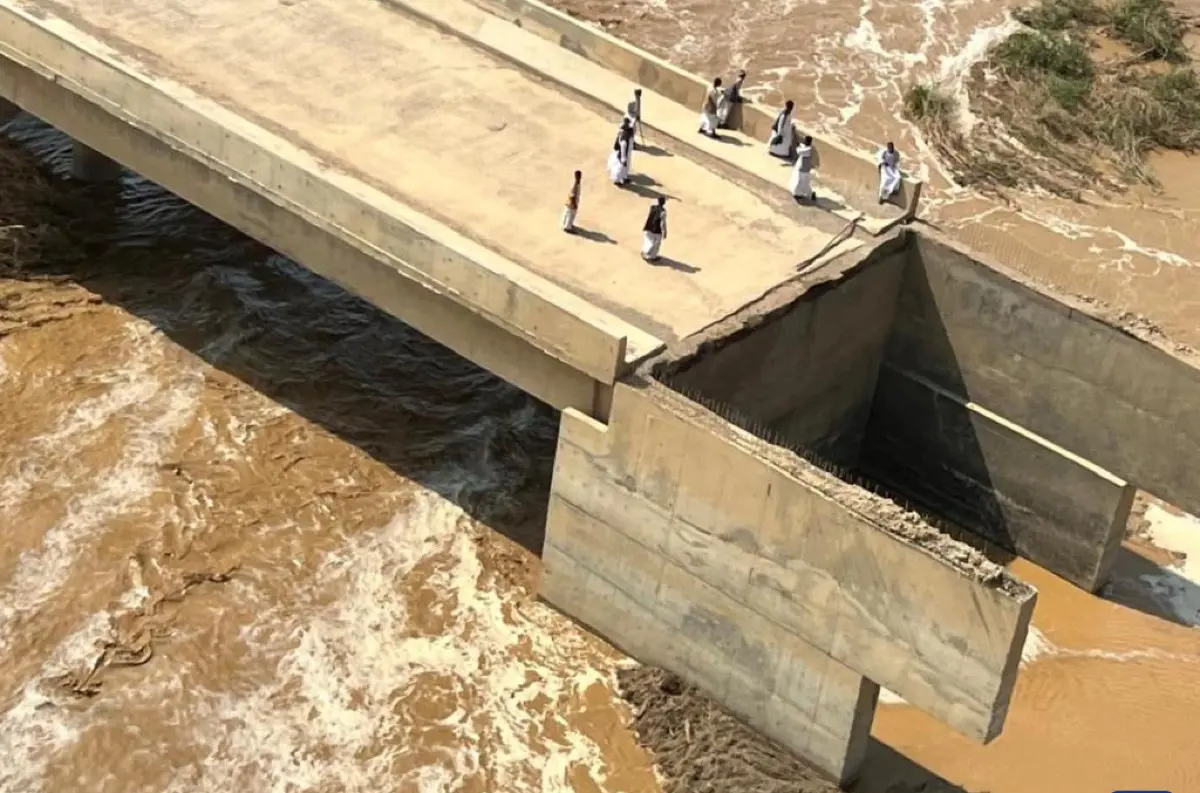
{"points": [[1056, 115], [1061, 15], [1149, 28]]}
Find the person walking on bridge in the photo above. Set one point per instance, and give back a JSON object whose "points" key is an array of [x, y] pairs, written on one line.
{"points": [[888, 161], [783, 133], [621, 156], [708, 110], [572, 207], [633, 114], [801, 183], [654, 230]]}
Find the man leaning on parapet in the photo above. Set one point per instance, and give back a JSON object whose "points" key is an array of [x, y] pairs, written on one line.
{"points": [[729, 97]]}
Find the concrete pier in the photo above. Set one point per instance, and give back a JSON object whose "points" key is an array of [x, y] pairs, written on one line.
{"points": [[89, 165], [700, 517]]}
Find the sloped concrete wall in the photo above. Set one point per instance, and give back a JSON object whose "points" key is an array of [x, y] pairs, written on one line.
{"points": [[693, 544], [852, 174], [1084, 385], [807, 370], [1006, 484]]}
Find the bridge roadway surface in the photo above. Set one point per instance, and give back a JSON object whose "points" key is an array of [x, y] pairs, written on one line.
{"points": [[466, 139]]}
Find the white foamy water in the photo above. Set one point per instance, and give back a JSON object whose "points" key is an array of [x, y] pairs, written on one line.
{"points": [[125, 387], [155, 411], [508, 674], [34, 729], [1177, 587], [1036, 646], [957, 67]]}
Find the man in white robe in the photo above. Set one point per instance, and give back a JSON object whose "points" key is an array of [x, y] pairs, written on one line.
{"points": [[801, 183], [888, 160], [572, 207], [783, 132], [730, 97], [621, 156], [654, 230], [633, 114], [708, 111]]}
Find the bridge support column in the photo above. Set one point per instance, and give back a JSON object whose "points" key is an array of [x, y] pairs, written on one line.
{"points": [[8, 111], [89, 165]]}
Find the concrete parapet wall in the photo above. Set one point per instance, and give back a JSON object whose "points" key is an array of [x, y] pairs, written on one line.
{"points": [[1086, 386], [43, 58], [669, 485], [1011, 487], [854, 175], [806, 370]]}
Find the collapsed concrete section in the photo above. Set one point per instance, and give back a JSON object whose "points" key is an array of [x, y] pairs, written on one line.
{"points": [[727, 524], [935, 377], [787, 593]]}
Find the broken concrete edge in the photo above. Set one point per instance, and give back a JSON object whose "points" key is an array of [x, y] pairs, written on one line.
{"points": [[678, 85], [561, 324], [903, 524], [1134, 326], [774, 303], [656, 372]]}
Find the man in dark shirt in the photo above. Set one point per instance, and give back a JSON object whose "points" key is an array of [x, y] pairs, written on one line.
{"points": [[654, 230]]}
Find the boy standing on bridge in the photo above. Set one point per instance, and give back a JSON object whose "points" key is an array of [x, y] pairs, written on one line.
{"points": [[730, 97], [572, 207]]}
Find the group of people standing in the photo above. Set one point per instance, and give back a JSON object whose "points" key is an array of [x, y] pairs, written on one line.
{"points": [[719, 102], [620, 160], [782, 144]]}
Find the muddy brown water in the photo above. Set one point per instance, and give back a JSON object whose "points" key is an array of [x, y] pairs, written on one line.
{"points": [[256, 535]]}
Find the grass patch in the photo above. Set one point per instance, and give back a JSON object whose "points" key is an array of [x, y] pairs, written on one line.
{"points": [[925, 102], [1149, 27], [1056, 55], [1053, 115], [1060, 15]]}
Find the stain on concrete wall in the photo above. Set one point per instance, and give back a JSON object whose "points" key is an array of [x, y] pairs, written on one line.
{"points": [[772, 584]]}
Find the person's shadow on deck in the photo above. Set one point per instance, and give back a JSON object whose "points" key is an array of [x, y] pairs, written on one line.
{"points": [[593, 236], [674, 264]]}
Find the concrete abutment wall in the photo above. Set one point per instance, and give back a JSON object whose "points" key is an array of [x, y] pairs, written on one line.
{"points": [[902, 334], [1085, 385], [787, 594]]}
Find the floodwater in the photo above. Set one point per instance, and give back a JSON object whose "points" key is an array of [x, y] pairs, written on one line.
{"points": [[242, 545], [258, 536]]}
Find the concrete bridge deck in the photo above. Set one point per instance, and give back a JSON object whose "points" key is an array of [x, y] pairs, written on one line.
{"points": [[400, 115]]}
